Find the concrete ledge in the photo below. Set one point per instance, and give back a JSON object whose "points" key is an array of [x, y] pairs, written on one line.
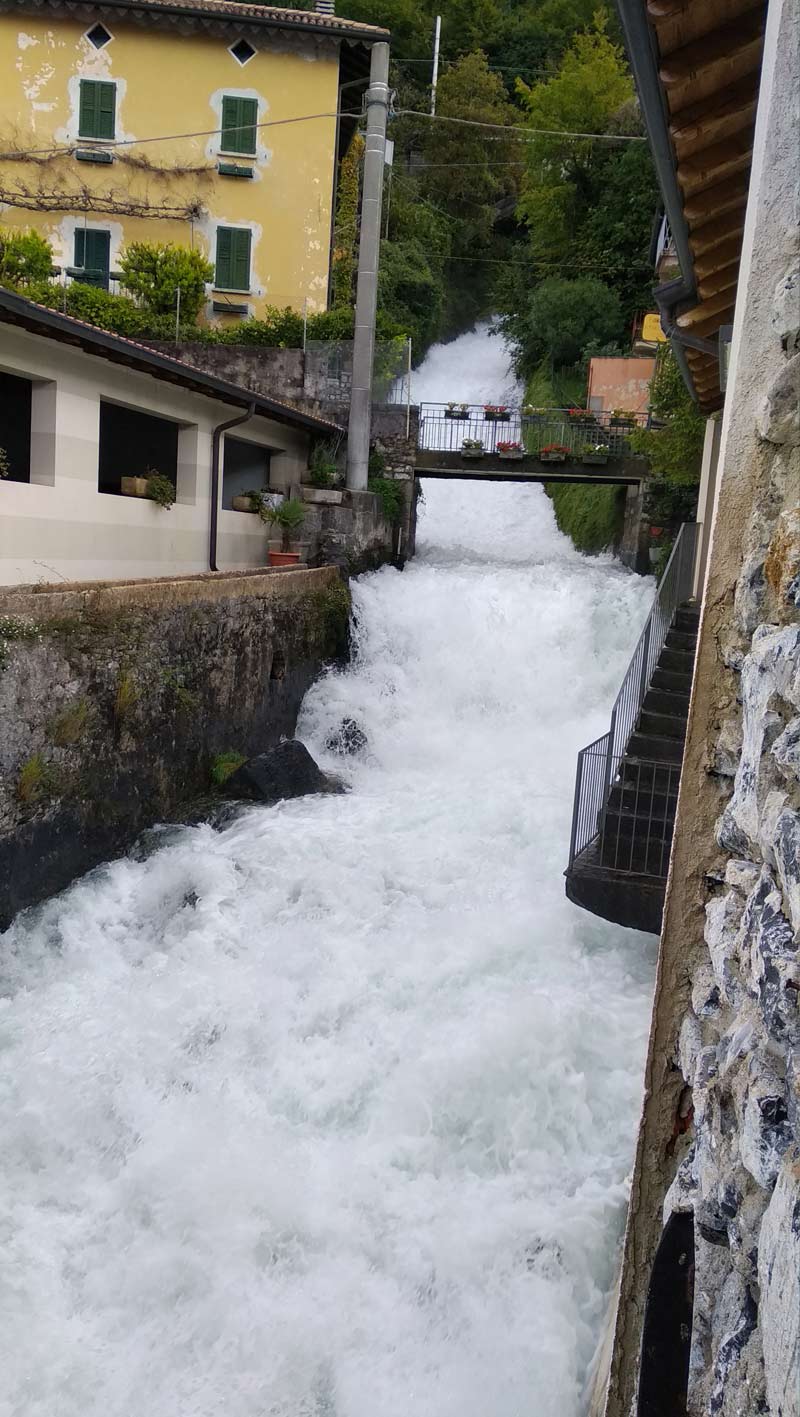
{"points": [[41, 601], [625, 471]]}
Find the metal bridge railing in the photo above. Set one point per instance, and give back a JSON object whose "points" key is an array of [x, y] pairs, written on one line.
{"points": [[443, 427], [630, 828], [601, 763]]}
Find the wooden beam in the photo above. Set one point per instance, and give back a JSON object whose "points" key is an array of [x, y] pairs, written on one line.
{"points": [[716, 162], [717, 200], [711, 120], [706, 236], [722, 254], [717, 52], [726, 278], [705, 319], [697, 23]]}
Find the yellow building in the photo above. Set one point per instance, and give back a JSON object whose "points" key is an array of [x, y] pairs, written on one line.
{"points": [[200, 122]]}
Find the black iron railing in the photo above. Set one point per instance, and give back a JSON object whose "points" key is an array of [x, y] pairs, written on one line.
{"points": [[629, 825], [602, 768], [444, 427]]}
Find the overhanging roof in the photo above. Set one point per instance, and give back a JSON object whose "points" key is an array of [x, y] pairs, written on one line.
{"points": [[697, 65], [225, 12], [51, 324]]}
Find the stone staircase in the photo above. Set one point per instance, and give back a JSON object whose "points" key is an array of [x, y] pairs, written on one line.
{"points": [[626, 788]]}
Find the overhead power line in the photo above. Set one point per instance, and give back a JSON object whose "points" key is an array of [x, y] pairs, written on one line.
{"points": [[503, 128]]}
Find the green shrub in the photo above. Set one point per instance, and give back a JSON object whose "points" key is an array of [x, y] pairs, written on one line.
{"points": [[288, 516], [391, 497], [592, 517], [323, 470], [224, 765], [156, 272], [160, 489], [69, 725], [37, 779], [25, 256]]}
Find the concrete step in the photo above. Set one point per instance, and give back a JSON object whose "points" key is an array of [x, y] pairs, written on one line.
{"points": [[678, 661], [666, 701], [674, 680], [686, 619], [664, 725], [648, 857], [681, 639], [648, 775], [634, 802], [639, 824], [655, 746]]}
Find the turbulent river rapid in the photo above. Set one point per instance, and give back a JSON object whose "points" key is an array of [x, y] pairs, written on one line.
{"points": [[329, 1113]]}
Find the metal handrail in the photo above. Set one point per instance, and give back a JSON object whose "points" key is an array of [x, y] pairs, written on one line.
{"points": [[592, 787], [444, 428]]}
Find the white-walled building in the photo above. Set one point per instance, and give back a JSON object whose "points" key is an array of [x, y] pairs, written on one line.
{"points": [[81, 408]]}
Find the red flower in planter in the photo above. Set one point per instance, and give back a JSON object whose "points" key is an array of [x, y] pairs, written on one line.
{"points": [[509, 447], [555, 448]]}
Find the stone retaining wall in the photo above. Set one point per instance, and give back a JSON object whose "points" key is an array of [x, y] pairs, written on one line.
{"points": [[117, 698]]}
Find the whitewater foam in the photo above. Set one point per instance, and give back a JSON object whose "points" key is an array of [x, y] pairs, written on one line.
{"points": [[328, 1114]]}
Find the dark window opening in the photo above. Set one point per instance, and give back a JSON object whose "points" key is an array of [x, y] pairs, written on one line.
{"points": [[242, 51], [133, 444], [245, 468], [98, 36], [92, 257], [667, 1333], [15, 426]]}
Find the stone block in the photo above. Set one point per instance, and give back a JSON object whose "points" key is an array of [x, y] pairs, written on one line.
{"points": [[778, 418], [779, 1283]]}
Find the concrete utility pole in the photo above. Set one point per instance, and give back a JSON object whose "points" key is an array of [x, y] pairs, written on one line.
{"points": [[368, 252], [435, 77]]}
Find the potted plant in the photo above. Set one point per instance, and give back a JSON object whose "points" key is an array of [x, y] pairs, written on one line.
{"points": [[496, 413], [510, 452], [472, 448], [288, 516], [554, 452], [459, 411], [620, 419], [249, 501], [152, 484], [596, 453], [323, 474]]}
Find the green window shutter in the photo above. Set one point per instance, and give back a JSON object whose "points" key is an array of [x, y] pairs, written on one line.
{"points": [[239, 119], [97, 109], [93, 256], [222, 277], [241, 260], [233, 258]]}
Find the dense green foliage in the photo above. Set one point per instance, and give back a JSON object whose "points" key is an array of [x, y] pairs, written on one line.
{"points": [[25, 256], [157, 272], [675, 451], [563, 318], [591, 516]]}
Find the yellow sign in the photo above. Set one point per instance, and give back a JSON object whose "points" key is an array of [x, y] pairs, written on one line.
{"points": [[652, 332]]}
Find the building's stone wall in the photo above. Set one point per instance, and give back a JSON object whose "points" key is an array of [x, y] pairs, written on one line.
{"points": [[116, 698], [720, 1131]]}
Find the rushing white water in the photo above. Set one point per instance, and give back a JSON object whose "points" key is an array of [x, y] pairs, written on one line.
{"points": [[475, 368], [328, 1114]]}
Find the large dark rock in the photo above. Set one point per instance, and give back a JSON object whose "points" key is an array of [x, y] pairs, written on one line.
{"points": [[286, 771]]}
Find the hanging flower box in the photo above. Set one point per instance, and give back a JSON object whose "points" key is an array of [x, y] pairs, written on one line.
{"points": [[620, 419], [555, 452], [595, 454], [510, 452], [472, 448], [457, 411], [496, 413]]}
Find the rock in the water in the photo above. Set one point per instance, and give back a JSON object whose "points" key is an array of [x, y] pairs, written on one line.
{"points": [[349, 738], [286, 771]]}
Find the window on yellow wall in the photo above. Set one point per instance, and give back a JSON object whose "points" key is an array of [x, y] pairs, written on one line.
{"points": [[98, 106], [233, 258], [239, 120]]}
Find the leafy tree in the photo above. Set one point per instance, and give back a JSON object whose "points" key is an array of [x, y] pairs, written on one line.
{"points": [[345, 235], [157, 272], [562, 318], [676, 450], [24, 256], [563, 175]]}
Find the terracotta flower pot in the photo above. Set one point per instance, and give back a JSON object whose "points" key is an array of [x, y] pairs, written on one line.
{"points": [[283, 558]]}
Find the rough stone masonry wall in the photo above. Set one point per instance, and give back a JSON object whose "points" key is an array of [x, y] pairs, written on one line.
{"points": [[720, 1133], [116, 698]]}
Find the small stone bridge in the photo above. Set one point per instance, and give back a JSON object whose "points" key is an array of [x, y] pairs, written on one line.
{"points": [[499, 443]]}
